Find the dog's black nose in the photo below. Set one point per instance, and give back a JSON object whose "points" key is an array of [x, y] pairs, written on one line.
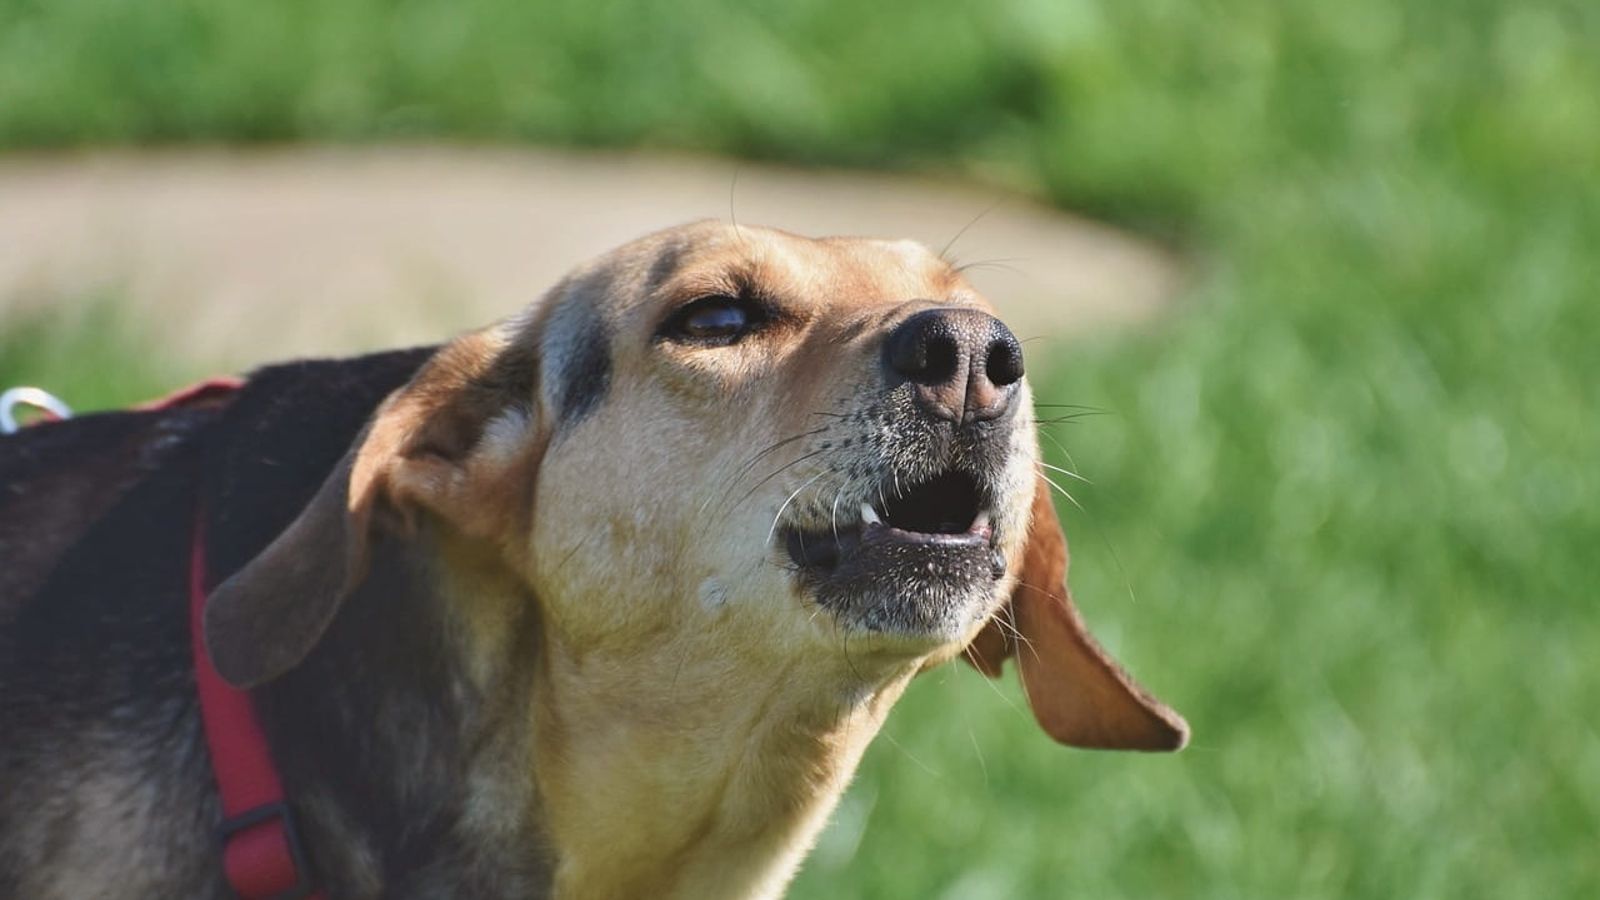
{"points": [[964, 364]]}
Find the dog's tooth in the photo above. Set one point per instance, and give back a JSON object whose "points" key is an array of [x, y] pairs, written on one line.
{"points": [[981, 522], [870, 515]]}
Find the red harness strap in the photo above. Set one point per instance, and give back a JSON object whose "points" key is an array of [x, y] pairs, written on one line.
{"points": [[262, 857], [261, 852], [216, 388]]}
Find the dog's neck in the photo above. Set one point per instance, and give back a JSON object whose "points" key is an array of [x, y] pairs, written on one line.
{"points": [[709, 783], [658, 770], [690, 763], [403, 741], [676, 761]]}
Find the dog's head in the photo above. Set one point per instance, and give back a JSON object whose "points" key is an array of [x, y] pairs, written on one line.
{"points": [[809, 456]]}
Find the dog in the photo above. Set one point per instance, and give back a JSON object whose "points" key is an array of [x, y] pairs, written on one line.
{"points": [[603, 601]]}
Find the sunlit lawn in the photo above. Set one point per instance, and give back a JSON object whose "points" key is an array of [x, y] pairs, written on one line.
{"points": [[1344, 503]]}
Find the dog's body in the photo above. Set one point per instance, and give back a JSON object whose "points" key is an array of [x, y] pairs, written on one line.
{"points": [[593, 603]]}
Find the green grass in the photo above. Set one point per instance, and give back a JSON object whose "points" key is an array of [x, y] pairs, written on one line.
{"points": [[1344, 506], [86, 352]]}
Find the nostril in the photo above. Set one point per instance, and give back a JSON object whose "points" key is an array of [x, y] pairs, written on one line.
{"points": [[1003, 365], [942, 358], [924, 350]]}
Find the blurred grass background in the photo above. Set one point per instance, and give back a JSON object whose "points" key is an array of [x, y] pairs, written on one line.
{"points": [[1344, 503]]}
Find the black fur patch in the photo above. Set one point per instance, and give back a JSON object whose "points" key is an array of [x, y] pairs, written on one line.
{"points": [[374, 735], [57, 480], [387, 664], [665, 265], [281, 437], [587, 375], [102, 649]]}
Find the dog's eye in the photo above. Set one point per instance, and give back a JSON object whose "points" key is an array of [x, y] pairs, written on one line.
{"points": [[713, 320]]}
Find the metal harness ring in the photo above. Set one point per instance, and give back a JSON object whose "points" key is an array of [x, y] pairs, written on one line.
{"points": [[33, 398]]}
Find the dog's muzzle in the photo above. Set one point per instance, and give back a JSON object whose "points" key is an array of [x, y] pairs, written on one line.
{"points": [[914, 550]]}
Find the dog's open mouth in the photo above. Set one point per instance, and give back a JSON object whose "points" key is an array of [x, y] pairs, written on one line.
{"points": [[947, 511], [908, 560]]}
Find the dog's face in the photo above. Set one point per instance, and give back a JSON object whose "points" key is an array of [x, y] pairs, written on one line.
{"points": [[826, 444], [730, 447]]}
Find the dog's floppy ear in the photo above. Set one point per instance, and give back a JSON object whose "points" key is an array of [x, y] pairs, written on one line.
{"points": [[1079, 695], [458, 442]]}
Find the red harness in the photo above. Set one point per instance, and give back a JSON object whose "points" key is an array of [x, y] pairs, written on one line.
{"points": [[262, 857], [261, 852]]}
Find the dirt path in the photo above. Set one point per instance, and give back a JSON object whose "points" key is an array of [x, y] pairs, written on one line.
{"points": [[243, 258]]}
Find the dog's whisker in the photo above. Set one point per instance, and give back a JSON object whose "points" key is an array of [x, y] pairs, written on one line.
{"points": [[911, 756], [750, 463], [779, 517], [1064, 492], [1074, 413], [972, 658], [1008, 626], [1023, 643], [982, 766], [1060, 446], [776, 472], [996, 264], [1097, 409], [1067, 472], [846, 648], [944, 252], [1068, 419], [745, 468], [571, 553], [677, 673]]}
